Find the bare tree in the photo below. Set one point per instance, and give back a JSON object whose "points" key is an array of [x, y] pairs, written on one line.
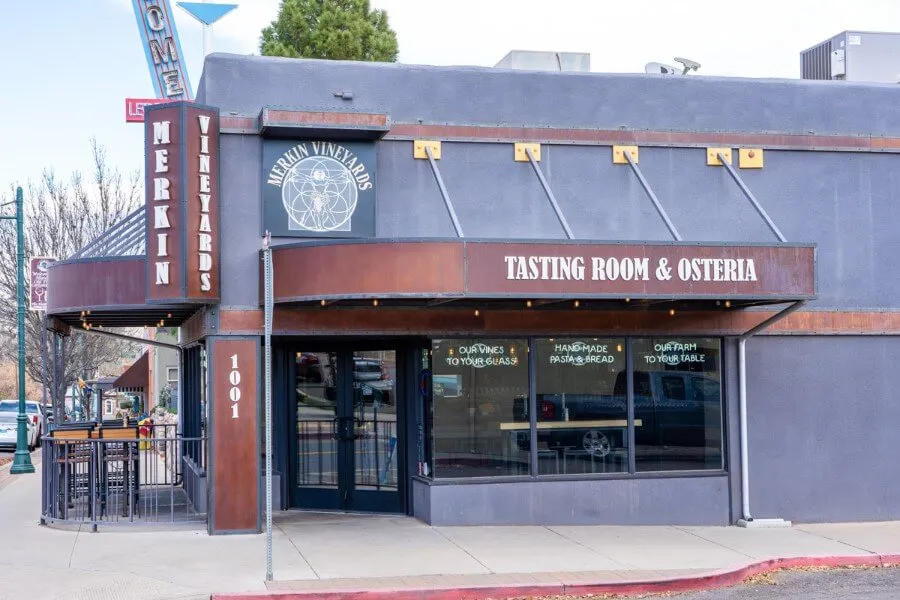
{"points": [[61, 217]]}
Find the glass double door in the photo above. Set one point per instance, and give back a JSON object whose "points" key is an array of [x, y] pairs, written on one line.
{"points": [[348, 438]]}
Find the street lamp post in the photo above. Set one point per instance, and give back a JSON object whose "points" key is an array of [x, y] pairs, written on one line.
{"points": [[21, 459]]}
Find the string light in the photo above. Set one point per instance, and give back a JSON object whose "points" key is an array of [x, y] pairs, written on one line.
{"points": [[528, 304], [671, 312], [477, 313], [627, 300], [375, 302], [577, 304], [728, 304], [321, 302]]}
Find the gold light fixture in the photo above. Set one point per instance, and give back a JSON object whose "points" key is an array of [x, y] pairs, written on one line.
{"points": [[618, 347]]}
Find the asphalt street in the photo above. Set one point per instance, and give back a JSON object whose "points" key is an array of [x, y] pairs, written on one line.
{"points": [[871, 584]]}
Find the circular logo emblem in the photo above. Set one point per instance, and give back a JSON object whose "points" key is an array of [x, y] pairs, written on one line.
{"points": [[319, 194]]}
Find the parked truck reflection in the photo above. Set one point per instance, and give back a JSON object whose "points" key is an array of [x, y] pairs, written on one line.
{"points": [[677, 409]]}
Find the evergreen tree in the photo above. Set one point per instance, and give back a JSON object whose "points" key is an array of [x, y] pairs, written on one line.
{"points": [[330, 29]]}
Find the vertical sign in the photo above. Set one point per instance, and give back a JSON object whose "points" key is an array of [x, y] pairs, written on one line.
{"points": [[235, 429], [38, 279], [202, 203], [164, 189], [182, 167], [160, 42]]}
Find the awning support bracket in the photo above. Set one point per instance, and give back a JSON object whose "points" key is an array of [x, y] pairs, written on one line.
{"points": [[132, 338], [549, 192], [656, 203], [444, 193], [743, 186]]}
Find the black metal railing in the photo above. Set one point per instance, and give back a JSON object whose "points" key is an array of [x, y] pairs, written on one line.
{"points": [[116, 475]]}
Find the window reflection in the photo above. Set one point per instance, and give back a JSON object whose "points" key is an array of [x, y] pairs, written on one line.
{"points": [[677, 404], [582, 410], [480, 394]]}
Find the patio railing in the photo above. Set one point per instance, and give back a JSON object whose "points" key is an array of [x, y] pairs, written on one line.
{"points": [[113, 474]]}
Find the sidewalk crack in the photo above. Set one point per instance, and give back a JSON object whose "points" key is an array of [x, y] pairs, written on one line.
{"points": [[74, 543], [472, 556], [842, 542], [719, 544], [308, 564], [585, 546]]}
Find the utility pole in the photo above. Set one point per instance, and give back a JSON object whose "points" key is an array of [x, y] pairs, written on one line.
{"points": [[21, 459]]}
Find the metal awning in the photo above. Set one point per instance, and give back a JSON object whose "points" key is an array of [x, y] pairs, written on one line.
{"points": [[136, 378]]}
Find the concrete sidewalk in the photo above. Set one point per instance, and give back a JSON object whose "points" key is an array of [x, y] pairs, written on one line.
{"points": [[320, 553]]}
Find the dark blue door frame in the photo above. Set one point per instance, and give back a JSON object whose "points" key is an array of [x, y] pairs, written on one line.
{"points": [[346, 497]]}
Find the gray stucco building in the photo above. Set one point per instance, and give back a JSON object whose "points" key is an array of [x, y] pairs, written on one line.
{"points": [[507, 297]]}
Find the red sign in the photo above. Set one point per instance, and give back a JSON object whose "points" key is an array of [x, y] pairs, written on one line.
{"points": [[38, 272], [134, 108]]}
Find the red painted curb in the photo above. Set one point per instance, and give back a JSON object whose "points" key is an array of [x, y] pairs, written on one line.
{"points": [[714, 580]]}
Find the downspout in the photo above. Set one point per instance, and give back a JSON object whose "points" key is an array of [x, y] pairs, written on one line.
{"points": [[747, 520]]}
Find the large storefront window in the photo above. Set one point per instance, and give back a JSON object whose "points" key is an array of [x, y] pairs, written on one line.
{"points": [[483, 408], [480, 397], [677, 404], [582, 409]]}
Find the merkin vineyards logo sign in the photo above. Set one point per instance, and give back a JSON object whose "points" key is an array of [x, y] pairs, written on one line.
{"points": [[319, 189]]}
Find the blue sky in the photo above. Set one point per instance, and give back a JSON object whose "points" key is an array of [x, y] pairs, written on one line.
{"points": [[69, 65]]}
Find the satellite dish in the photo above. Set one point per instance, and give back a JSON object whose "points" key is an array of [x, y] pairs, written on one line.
{"points": [[689, 65], [655, 67]]}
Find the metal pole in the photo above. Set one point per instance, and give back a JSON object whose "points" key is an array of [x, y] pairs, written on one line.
{"points": [[207, 40], [44, 373], [22, 459], [762, 212], [54, 377], [444, 193], [549, 192], [662, 213], [268, 279]]}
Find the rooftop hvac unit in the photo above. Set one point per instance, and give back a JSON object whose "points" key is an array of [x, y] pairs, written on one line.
{"points": [[861, 56]]}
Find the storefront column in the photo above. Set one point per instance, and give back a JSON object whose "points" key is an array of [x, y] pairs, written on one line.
{"points": [[234, 378]]}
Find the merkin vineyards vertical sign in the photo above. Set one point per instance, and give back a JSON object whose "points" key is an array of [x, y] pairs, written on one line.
{"points": [[182, 203]]}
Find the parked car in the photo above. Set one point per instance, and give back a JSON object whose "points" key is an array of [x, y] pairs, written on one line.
{"points": [[35, 413], [674, 408], [9, 431]]}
